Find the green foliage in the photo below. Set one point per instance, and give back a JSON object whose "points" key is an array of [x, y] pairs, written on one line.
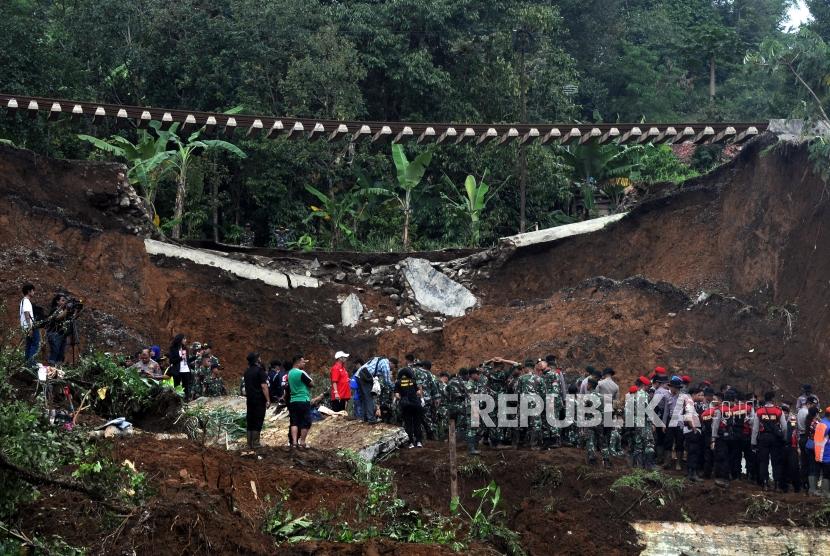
{"points": [[821, 517], [29, 441], [459, 61], [547, 476], [471, 203], [409, 175], [474, 467], [115, 391], [653, 486], [484, 522], [146, 158], [758, 507], [14, 541], [204, 424], [820, 157], [283, 526], [806, 57]]}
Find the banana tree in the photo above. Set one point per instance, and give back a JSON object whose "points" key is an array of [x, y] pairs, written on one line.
{"points": [[471, 202], [146, 167], [409, 175], [181, 157], [341, 214], [605, 167]]}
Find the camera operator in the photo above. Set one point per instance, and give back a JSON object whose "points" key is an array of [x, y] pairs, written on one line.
{"points": [[57, 328]]}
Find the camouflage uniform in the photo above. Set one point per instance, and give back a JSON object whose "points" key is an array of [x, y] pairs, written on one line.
{"points": [[429, 386], [642, 437], [441, 414], [456, 403], [246, 238], [473, 434], [213, 386], [530, 383], [595, 437], [388, 410], [553, 405], [498, 381]]}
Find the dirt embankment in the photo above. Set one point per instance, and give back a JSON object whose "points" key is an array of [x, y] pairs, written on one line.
{"points": [[559, 505], [754, 233], [78, 226]]}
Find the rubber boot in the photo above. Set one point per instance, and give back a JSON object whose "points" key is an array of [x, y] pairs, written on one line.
{"points": [[255, 439], [825, 487], [678, 466], [471, 448], [692, 476], [812, 481]]}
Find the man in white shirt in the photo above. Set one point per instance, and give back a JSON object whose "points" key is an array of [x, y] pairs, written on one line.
{"points": [[27, 323]]}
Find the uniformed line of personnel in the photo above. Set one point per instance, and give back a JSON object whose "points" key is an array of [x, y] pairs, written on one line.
{"points": [[706, 433]]}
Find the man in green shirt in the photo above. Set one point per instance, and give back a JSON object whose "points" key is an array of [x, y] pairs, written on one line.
{"points": [[299, 401]]}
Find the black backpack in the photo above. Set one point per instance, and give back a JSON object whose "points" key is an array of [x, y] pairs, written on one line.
{"points": [[365, 375]]}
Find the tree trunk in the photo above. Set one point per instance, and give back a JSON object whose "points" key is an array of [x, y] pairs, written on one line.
{"points": [[453, 464], [522, 189], [181, 189], [522, 151], [406, 213], [712, 78], [214, 201]]}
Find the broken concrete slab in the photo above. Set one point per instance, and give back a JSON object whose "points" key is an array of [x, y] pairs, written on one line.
{"points": [[670, 539], [333, 433], [435, 291], [559, 232], [243, 270], [350, 310]]}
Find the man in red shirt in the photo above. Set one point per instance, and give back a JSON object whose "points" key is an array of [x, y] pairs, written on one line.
{"points": [[340, 390]]}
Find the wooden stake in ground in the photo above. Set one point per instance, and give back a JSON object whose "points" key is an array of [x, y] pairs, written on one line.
{"points": [[453, 465]]}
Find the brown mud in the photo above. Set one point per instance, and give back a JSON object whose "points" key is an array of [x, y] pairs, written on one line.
{"points": [[752, 236]]}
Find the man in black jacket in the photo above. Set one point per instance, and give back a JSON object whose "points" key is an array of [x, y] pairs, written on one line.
{"points": [[258, 398]]}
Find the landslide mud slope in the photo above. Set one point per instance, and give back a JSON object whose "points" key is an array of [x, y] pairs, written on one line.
{"points": [[79, 226], [752, 236]]}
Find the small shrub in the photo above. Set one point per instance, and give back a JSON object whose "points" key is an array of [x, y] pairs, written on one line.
{"points": [[547, 476], [760, 506], [474, 467]]}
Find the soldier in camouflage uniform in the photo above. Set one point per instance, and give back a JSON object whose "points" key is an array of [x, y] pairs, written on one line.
{"points": [[428, 384], [595, 438], [498, 375], [457, 402], [553, 406], [529, 383], [247, 236], [213, 386], [441, 414], [476, 384], [642, 436]]}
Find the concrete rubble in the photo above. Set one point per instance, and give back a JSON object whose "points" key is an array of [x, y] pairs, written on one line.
{"points": [[435, 291], [350, 310]]}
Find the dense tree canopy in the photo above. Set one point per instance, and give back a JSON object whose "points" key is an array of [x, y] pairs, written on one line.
{"points": [[422, 60]]}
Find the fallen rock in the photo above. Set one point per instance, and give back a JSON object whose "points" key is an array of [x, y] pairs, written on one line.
{"points": [[350, 310], [435, 291]]}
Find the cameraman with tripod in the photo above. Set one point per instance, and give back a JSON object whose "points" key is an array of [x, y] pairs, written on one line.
{"points": [[57, 328], [60, 324]]}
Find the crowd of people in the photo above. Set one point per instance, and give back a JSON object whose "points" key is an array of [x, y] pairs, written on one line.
{"points": [[192, 367], [709, 433]]}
